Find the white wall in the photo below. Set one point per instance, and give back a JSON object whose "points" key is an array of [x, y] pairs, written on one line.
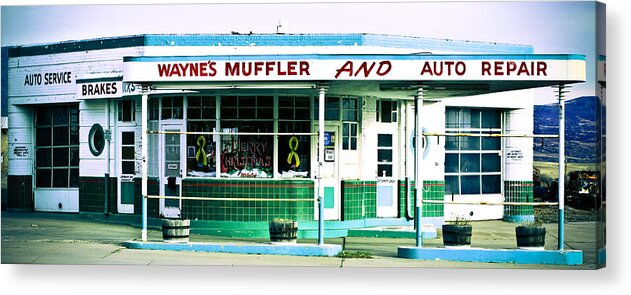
{"points": [[20, 136]]}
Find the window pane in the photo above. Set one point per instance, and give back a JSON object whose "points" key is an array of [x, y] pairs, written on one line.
{"points": [[60, 157], [302, 102], [128, 167], [74, 156], [345, 131], [229, 101], [265, 113], [353, 143], [265, 101], [247, 113], [60, 177], [43, 137], [74, 178], [332, 106], [470, 184], [294, 155], [247, 101], [43, 177], [302, 114], [128, 138], [384, 155], [452, 185], [60, 135], [194, 113], [491, 143], [44, 116], [228, 113], [384, 168], [491, 163], [74, 115], [349, 115], [60, 115], [451, 143], [208, 112], [74, 135], [451, 163], [470, 143], [386, 111], [128, 153], [470, 163], [451, 118], [491, 119], [284, 113], [384, 140], [353, 129], [491, 184], [44, 157], [345, 145], [194, 101]]}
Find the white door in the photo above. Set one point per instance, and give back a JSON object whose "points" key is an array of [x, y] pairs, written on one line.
{"points": [[330, 173], [126, 169], [387, 184], [171, 165]]}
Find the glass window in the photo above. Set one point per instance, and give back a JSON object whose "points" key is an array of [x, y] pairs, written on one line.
{"points": [[57, 146], [384, 155], [294, 151], [473, 164], [387, 111], [172, 107], [126, 110]]}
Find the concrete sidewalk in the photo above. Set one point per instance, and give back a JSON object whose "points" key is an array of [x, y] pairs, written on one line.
{"points": [[47, 238]]}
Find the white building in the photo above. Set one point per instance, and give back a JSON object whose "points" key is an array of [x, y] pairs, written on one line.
{"points": [[75, 126]]}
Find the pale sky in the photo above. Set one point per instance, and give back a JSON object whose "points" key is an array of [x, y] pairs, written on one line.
{"points": [[551, 27]]}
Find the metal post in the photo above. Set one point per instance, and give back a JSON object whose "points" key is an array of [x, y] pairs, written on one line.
{"points": [[560, 94], [418, 157], [144, 151], [320, 163]]}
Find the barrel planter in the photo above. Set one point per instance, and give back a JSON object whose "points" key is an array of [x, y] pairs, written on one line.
{"points": [[456, 235], [530, 238], [176, 230], [283, 231]]}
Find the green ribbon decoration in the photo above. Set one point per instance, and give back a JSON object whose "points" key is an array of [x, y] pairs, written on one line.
{"points": [[293, 155], [201, 153]]}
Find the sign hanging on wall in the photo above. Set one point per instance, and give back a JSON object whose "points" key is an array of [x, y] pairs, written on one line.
{"points": [[356, 67]]}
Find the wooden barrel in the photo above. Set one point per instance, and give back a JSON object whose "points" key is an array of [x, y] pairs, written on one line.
{"points": [[284, 232], [176, 230], [530, 237], [456, 235]]}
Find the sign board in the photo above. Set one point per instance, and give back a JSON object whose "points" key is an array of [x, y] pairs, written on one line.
{"points": [[514, 155], [356, 67]]}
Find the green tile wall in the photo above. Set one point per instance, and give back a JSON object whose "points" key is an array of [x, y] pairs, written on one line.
{"points": [[359, 199], [248, 210], [20, 192], [518, 191], [92, 191], [433, 190], [153, 189]]}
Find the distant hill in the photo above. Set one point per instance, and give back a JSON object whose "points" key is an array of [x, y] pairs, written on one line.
{"points": [[580, 130]]}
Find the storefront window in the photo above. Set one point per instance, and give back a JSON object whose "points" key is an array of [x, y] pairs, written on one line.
{"points": [[248, 156], [172, 107], [57, 147], [294, 150], [200, 153], [473, 164]]}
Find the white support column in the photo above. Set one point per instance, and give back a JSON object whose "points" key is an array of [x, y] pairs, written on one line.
{"points": [[418, 158], [561, 226], [144, 153], [321, 163]]}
